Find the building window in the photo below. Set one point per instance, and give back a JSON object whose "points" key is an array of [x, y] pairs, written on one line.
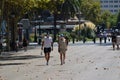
{"points": [[111, 1], [101, 1], [116, 1], [110, 6], [105, 1], [106, 6], [116, 6], [115, 10], [111, 10]]}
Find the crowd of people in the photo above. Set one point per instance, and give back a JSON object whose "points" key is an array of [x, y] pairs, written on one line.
{"points": [[113, 37], [47, 44]]}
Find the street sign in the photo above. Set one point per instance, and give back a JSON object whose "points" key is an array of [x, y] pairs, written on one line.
{"points": [[26, 23]]}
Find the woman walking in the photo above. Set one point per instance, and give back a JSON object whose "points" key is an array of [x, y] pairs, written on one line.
{"points": [[62, 48]]}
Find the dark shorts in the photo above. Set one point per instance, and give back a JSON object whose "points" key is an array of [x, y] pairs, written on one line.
{"points": [[47, 50], [114, 40]]}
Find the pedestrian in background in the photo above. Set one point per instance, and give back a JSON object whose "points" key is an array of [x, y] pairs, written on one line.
{"points": [[100, 37], [62, 48], [1, 46], [105, 36], [47, 46], [25, 44], [16, 45], [114, 40]]}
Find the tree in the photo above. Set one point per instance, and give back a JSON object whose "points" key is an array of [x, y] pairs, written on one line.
{"points": [[91, 10], [14, 10], [69, 8], [87, 29], [53, 6], [105, 19], [118, 18], [112, 20]]}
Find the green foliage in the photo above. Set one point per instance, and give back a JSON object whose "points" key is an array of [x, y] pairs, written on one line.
{"points": [[91, 10], [70, 7], [32, 37], [67, 34], [109, 19], [88, 33], [118, 18], [87, 30]]}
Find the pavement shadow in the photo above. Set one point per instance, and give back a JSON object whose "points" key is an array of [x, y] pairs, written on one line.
{"points": [[6, 64], [111, 49], [104, 44], [25, 57], [41, 65], [89, 43]]}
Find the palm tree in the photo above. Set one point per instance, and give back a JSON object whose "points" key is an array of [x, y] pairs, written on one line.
{"points": [[70, 8]]}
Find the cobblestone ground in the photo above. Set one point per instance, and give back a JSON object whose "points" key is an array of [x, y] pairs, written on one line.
{"points": [[83, 62]]}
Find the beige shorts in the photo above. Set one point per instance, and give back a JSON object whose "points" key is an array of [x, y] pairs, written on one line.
{"points": [[61, 50]]}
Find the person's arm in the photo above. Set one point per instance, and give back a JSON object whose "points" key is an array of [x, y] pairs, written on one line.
{"points": [[42, 45], [58, 42], [66, 43], [52, 45]]}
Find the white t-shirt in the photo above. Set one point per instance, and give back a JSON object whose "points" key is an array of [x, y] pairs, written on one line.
{"points": [[47, 41]]}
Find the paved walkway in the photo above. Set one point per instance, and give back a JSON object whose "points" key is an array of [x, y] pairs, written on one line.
{"points": [[84, 62]]}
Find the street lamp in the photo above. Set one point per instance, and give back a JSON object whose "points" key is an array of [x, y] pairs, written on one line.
{"points": [[79, 17], [20, 26], [55, 23], [35, 36], [13, 32], [39, 30]]}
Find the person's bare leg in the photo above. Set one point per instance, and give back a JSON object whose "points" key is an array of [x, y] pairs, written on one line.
{"points": [[117, 47], [113, 44], [64, 56], [61, 58], [46, 57]]}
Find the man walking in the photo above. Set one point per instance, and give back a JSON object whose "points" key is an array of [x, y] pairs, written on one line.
{"points": [[47, 45]]}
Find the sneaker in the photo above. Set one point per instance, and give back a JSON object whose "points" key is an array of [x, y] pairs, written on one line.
{"points": [[47, 63], [63, 62]]}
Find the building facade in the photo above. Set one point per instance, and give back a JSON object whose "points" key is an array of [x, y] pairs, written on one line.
{"points": [[112, 5]]}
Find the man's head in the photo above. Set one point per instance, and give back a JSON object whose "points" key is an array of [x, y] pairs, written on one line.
{"points": [[47, 35], [61, 35]]}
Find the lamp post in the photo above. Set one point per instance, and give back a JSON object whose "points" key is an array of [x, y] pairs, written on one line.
{"points": [[39, 30], [35, 36], [79, 17], [54, 27], [55, 19], [20, 25], [13, 32]]}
